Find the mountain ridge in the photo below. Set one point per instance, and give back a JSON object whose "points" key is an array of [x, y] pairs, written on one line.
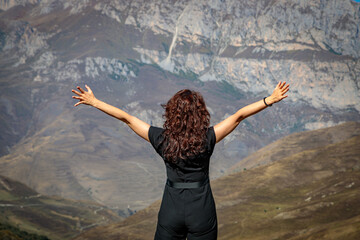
{"points": [[307, 141]]}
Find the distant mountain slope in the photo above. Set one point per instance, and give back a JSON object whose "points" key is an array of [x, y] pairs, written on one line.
{"points": [[298, 142], [311, 194], [55, 217]]}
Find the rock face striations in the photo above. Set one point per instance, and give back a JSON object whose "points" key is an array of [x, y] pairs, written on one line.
{"points": [[136, 55]]}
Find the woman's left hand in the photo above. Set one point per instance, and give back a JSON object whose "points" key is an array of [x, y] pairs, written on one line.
{"points": [[279, 93]]}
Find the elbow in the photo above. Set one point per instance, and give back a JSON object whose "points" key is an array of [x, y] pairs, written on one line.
{"points": [[239, 119], [127, 120]]}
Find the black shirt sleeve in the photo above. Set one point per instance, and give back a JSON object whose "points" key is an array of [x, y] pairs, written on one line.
{"points": [[155, 138], [211, 139]]}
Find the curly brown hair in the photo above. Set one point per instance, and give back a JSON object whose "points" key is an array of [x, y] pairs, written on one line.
{"points": [[186, 123]]}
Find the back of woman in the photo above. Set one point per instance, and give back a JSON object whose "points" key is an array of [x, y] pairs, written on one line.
{"points": [[186, 144]]}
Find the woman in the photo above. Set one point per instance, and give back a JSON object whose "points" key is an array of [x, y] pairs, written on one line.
{"points": [[185, 143]]}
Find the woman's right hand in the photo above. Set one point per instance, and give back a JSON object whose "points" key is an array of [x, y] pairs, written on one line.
{"points": [[84, 97]]}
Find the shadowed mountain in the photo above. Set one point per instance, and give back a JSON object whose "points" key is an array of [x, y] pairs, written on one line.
{"points": [[54, 217], [313, 193]]}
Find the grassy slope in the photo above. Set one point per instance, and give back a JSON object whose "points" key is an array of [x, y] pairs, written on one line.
{"points": [[54, 217], [296, 143], [311, 194], [12, 233]]}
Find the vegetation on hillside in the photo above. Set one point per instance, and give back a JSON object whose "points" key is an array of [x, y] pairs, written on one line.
{"points": [[8, 232], [54, 217]]}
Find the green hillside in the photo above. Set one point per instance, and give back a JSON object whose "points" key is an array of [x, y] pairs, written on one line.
{"points": [[54, 217], [12, 233], [296, 143], [310, 195]]}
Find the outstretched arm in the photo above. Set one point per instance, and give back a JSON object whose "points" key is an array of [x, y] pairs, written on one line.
{"points": [[229, 124], [139, 127]]}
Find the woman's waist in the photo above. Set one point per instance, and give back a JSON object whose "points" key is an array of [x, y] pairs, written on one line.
{"points": [[187, 184]]}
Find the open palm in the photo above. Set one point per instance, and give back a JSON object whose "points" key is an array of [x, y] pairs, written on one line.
{"points": [[84, 97], [279, 92]]}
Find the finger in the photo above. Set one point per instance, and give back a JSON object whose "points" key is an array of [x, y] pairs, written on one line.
{"points": [[76, 104], [285, 89], [285, 92], [88, 88], [283, 84], [278, 85], [80, 89], [76, 92], [79, 98]]}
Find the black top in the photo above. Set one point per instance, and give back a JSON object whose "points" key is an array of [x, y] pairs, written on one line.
{"points": [[193, 169]]}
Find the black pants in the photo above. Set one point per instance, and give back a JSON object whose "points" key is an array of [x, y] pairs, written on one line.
{"points": [[187, 213]]}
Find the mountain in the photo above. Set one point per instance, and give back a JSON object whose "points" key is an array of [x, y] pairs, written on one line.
{"points": [[136, 55], [13, 233], [296, 143], [309, 194], [55, 217]]}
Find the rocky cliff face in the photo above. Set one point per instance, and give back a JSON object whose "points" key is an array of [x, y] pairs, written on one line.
{"points": [[6, 4], [252, 45], [136, 55]]}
